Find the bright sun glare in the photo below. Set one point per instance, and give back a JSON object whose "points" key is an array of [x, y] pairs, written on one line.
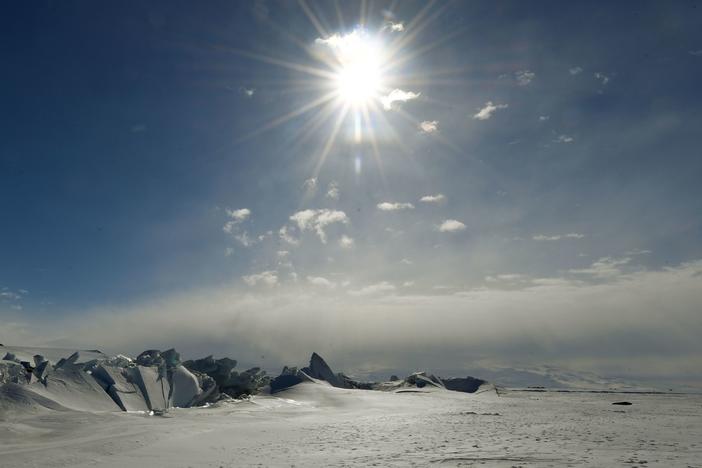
{"points": [[358, 78], [358, 74]]}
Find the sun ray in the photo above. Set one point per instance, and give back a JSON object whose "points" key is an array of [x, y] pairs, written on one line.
{"points": [[437, 72], [423, 81], [389, 128], [363, 18], [290, 115], [355, 71], [427, 48], [339, 16], [332, 137], [316, 122], [414, 27], [285, 64], [313, 18], [415, 122], [374, 144], [286, 33]]}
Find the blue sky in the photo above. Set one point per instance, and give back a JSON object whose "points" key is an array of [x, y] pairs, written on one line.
{"points": [[539, 157]]}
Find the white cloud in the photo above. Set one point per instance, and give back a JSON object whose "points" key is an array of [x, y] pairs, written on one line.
{"points": [[604, 79], [604, 267], [388, 206], [237, 216], [486, 112], [575, 70], [638, 252], [451, 225], [696, 53], [229, 227], [382, 287], [317, 220], [394, 27], [524, 77], [228, 252], [310, 184], [406, 261], [304, 218], [340, 43], [551, 282], [286, 236], [397, 95], [544, 118], [564, 139], [268, 278], [570, 235], [283, 253], [346, 242], [240, 214], [232, 227], [320, 281], [9, 295], [510, 277], [438, 198], [333, 191], [244, 239], [429, 126], [248, 92]]}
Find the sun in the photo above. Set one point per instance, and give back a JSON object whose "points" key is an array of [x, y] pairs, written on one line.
{"points": [[356, 61], [358, 79], [355, 79]]}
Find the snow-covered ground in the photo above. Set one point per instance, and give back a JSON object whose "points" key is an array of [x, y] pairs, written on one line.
{"points": [[313, 424]]}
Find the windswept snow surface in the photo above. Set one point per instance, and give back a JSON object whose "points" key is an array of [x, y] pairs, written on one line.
{"points": [[315, 424]]}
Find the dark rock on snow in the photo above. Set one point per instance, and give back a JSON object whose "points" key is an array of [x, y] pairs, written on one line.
{"points": [[463, 384], [320, 370]]}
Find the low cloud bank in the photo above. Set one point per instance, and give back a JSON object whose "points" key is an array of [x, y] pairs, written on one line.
{"points": [[641, 324]]}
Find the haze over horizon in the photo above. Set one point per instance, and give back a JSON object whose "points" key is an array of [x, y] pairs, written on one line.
{"points": [[395, 185]]}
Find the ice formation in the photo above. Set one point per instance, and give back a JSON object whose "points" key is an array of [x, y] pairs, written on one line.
{"points": [[319, 370], [157, 380]]}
